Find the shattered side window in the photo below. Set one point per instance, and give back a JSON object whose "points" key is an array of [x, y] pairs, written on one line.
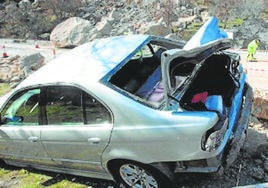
{"points": [[63, 105], [141, 75], [95, 112], [22, 109], [68, 105]]}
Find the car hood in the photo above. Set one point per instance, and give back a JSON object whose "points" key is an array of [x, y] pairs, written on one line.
{"points": [[207, 40]]}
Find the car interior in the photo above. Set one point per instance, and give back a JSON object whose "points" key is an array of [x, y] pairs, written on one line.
{"points": [[141, 75], [212, 79]]}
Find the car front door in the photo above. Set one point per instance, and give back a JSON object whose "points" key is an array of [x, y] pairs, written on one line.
{"points": [[78, 128], [20, 129]]}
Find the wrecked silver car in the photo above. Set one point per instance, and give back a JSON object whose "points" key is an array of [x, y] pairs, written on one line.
{"points": [[135, 109]]}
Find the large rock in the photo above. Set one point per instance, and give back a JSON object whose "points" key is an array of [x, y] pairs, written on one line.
{"points": [[115, 15], [9, 68], [153, 28], [104, 27], [31, 63], [16, 68], [260, 109], [73, 32]]}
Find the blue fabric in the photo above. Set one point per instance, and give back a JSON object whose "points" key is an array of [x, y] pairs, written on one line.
{"points": [[151, 81], [215, 102], [212, 32]]}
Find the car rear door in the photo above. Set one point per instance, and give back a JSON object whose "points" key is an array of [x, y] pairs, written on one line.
{"points": [[76, 146], [78, 128]]}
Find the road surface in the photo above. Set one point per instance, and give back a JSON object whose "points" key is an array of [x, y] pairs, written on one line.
{"points": [[257, 71], [14, 47]]}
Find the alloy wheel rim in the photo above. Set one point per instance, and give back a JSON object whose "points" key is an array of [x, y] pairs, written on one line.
{"points": [[137, 177]]}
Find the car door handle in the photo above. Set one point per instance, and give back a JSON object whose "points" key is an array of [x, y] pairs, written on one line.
{"points": [[94, 140], [33, 139]]}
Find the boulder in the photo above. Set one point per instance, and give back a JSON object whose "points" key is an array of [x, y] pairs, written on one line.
{"points": [[115, 15], [16, 68], [9, 68], [31, 63], [104, 27], [73, 32], [173, 36], [260, 109], [265, 24], [152, 28]]}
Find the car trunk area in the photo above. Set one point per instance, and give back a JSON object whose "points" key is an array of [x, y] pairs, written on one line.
{"points": [[213, 78]]}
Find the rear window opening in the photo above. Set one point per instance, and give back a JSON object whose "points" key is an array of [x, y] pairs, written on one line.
{"points": [[141, 75]]}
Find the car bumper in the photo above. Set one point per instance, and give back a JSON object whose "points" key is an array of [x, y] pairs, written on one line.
{"points": [[233, 146]]}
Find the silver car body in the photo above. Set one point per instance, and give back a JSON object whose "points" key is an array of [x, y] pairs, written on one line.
{"points": [[137, 131]]}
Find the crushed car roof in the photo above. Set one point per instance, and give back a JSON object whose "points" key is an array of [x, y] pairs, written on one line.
{"points": [[88, 62]]}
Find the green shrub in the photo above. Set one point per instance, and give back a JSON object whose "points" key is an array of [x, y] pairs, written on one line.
{"points": [[231, 23], [4, 88]]}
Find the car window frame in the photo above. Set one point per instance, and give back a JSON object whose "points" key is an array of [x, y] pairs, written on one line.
{"points": [[20, 92], [150, 46], [42, 113]]}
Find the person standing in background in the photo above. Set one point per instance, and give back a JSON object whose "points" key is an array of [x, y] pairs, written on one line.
{"points": [[252, 47]]}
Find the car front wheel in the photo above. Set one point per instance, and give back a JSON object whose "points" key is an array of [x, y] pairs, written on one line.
{"points": [[136, 175]]}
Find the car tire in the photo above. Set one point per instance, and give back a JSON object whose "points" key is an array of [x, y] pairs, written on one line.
{"points": [[129, 174]]}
